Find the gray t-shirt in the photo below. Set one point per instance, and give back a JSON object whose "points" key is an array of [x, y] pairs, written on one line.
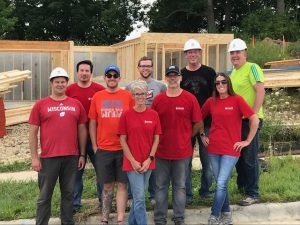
{"points": [[155, 87]]}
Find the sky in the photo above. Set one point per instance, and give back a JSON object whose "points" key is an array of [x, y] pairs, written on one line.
{"points": [[139, 26]]}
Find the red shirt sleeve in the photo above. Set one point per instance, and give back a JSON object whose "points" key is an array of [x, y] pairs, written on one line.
{"points": [[245, 109], [82, 117], [122, 124], [34, 117]]}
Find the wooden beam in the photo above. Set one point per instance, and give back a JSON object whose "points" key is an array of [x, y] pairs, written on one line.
{"points": [[41, 46]]}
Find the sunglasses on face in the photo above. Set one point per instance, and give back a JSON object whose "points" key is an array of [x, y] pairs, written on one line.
{"points": [[108, 75], [221, 82]]}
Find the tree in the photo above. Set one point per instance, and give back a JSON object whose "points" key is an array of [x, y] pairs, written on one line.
{"points": [[7, 21], [280, 6], [210, 17], [83, 21]]}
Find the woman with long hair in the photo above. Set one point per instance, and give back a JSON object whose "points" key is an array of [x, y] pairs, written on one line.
{"points": [[224, 142]]}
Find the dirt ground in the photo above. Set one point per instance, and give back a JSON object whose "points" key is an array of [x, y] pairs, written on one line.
{"points": [[15, 145]]}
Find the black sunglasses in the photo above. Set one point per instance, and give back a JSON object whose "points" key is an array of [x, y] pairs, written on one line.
{"points": [[108, 75], [221, 82]]}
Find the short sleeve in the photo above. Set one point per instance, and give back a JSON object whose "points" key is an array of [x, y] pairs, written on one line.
{"points": [[256, 74]]}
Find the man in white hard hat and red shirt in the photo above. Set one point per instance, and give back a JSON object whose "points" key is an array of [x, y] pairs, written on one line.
{"points": [[198, 79], [248, 81], [61, 121]]}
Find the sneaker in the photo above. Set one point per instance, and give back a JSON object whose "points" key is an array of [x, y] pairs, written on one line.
{"points": [[76, 210], [226, 218], [207, 195], [129, 203], [212, 220], [248, 201], [179, 223], [152, 202]]}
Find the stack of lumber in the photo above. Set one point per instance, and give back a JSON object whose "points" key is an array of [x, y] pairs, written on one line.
{"points": [[7, 79], [17, 112]]}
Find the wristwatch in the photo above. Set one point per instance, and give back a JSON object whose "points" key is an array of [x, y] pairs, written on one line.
{"points": [[202, 134], [151, 157]]}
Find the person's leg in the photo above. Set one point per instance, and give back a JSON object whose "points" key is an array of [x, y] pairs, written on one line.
{"points": [[161, 194], [138, 214], [179, 171], [104, 161], [121, 181], [67, 176], [206, 172], [188, 184], [222, 166], [92, 156], [249, 160], [151, 187], [47, 178]]}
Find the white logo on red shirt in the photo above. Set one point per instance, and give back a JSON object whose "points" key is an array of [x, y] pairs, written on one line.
{"points": [[62, 114], [229, 108], [148, 121], [179, 108]]}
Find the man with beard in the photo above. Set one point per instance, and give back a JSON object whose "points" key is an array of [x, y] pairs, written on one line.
{"points": [[106, 109], [83, 91], [155, 87], [198, 79]]}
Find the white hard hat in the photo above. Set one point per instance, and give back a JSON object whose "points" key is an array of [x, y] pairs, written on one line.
{"points": [[237, 45], [191, 44], [58, 72]]}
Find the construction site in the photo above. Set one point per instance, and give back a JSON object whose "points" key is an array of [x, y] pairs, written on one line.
{"points": [[25, 67]]}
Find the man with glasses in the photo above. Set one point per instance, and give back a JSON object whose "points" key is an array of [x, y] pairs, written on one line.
{"points": [[198, 79], [181, 118], [106, 109], [155, 87], [83, 90], [247, 81]]}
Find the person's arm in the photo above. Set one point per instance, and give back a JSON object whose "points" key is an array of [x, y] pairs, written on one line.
{"points": [[135, 164], [82, 138], [147, 162], [93, 133], [33, 145], [253, 126], [260, 95], [198, 128]]}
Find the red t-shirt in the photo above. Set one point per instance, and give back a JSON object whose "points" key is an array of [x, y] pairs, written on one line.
{"points": [[58, 121], [177, 115], [226, 124], [84, 95], [140, 128], [107, 108]]}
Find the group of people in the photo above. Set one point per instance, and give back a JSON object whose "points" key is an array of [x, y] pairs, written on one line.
{"points": [[144, 135]]}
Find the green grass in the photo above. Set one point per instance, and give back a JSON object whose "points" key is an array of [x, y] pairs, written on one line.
{"points": [[280, 184], [16, 166]]}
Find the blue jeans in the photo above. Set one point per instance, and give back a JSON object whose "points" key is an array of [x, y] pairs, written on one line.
{"points": [[206, 172], [151, 187], [247, 167], [78, 188], [139, 183], [222, 166], [176, 172]]}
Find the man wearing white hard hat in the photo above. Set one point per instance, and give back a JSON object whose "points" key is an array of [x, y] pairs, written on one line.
{"points": [[248, 81], [61, 122], [198, 79]]}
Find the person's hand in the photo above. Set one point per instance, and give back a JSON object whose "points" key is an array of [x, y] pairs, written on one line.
{"points": [[238, 146], [81, 163], [136, 166], [94, 147], [205, 140], [145, 165], [36, 164]]}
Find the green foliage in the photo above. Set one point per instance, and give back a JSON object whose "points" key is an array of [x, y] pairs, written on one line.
{"points": [[87, 22], [264, 52], [16, 166], [293, 49], [266, 22], [7, 21]]}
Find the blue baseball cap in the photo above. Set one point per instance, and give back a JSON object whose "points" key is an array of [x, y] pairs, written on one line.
{"points": [[172, 69], [112, 67]]}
